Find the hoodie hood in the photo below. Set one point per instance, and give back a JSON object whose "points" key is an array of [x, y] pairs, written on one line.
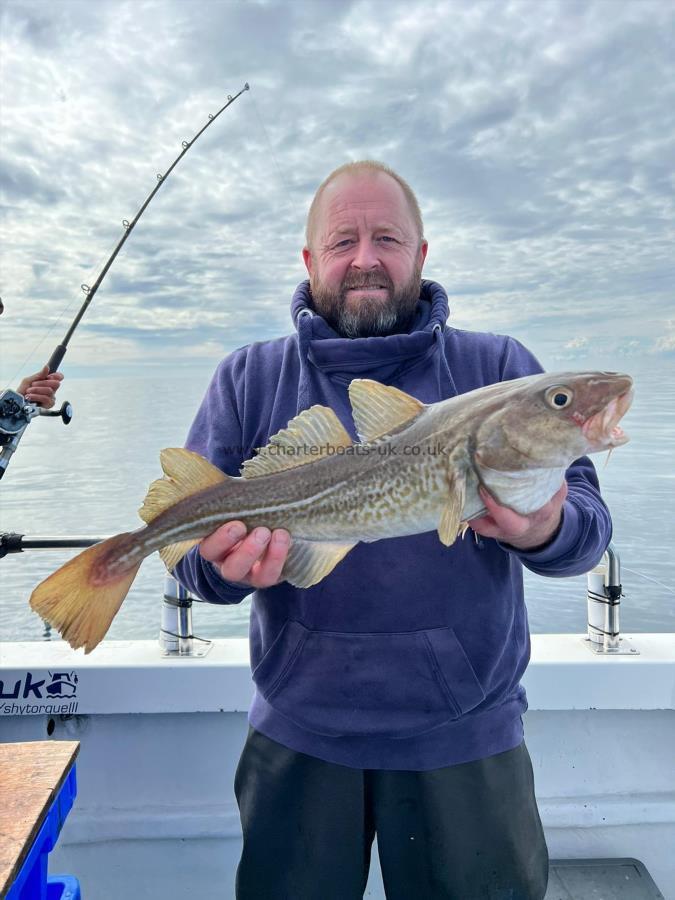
{"points": [[385, 359]]}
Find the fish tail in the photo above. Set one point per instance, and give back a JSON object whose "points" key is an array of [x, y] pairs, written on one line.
{"points": [[82, 598]]}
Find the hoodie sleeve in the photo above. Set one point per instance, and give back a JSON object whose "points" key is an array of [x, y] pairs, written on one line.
{"points": [[216, 434], [586, 526]]}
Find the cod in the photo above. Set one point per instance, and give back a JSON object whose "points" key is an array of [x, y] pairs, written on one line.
{"points": [[417, 467]]}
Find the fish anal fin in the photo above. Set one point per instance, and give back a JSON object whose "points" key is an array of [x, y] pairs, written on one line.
{"points": [[173, 553], [379, 409], [311, 435], [308, 562], [185, 473]]}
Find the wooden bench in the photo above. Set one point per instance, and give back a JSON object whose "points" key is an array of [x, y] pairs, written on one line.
{"points": [[31, 776]]}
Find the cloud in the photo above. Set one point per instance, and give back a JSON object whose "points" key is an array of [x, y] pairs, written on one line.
{"points": [[540, 147], [577, 343]]}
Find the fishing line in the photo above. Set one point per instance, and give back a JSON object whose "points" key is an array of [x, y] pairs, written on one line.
{"points": [[15, 412], [128, 226], [91, 274], [648, 577], [274, 157]]}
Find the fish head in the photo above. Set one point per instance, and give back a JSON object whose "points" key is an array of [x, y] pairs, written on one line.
{"points": [[549, 420]]}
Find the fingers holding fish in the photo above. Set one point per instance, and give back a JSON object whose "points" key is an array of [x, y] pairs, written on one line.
{"points": [[523, 532], [256, 559], [267, 570]]}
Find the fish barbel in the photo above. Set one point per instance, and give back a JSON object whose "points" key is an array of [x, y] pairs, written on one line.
{"points": [[417, 468]]}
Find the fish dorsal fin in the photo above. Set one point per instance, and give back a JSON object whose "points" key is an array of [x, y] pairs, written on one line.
{"points": [[311, 435], [185, 473], [309, 561], [379, 409]]}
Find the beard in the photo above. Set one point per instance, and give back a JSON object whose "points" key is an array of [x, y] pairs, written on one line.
{"points": [[367, 316]]}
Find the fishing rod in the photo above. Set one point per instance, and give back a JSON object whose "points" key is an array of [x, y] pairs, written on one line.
{"points": [[15, 412]]}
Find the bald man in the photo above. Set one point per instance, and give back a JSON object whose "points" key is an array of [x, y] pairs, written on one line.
{"points": [[388, 699]]}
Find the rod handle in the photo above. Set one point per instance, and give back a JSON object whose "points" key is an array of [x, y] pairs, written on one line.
{"points": [[56, 357]]}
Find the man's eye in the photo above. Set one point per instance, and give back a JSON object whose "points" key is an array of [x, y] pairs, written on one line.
{"points": [[343, 243], [388, 238]]}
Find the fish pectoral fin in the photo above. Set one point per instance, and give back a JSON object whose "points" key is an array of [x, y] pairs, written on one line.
{"points": [[173, 553], [379, 409], [311, 435], [185, 473], [451, 518], [310, 561]]}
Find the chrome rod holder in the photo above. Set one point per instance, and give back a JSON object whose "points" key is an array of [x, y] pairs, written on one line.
{"points": [[604, 601], [175, 636]]}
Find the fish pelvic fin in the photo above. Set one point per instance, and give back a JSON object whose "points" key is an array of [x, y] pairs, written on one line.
{"points": [[185, 473], [82, 598], [312, 434], [379, 409], [308, 562], [173, 553], [451, 523]]}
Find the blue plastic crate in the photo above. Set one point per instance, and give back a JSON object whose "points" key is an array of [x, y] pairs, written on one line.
{"points": [[63, 887], [31, 883]]}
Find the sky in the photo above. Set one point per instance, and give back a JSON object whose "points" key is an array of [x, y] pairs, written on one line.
{"points": [[539, 138]]}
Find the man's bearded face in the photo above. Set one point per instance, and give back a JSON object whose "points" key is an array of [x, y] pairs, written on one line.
{"points": [[352, 312], [366, 257]]}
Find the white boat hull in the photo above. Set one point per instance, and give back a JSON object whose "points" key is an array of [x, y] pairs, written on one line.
{"points": [[160, 739]]}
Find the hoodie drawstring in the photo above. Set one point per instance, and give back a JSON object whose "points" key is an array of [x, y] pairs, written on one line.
{"points": [[444, 366], [304, 326]]}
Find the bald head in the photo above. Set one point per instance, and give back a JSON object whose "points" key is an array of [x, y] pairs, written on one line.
{"points": [[364, 170]]}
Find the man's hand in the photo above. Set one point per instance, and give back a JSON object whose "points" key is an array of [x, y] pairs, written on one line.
{"points": [[255, 560], [522, 532], [41, 387]]}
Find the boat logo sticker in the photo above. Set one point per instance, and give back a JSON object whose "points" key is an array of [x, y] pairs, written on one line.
{"points": [[33, 695]]}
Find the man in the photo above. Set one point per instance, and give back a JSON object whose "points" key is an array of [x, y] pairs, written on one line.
{"points": [[387, 696]]}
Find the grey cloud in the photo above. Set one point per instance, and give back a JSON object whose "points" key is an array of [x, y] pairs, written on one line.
{"points": [[540, 146], [20, 183]]}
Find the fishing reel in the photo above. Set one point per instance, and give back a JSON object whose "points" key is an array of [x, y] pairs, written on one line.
{"points": [[16, 413]]}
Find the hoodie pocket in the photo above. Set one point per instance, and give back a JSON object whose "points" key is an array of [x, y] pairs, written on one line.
{"points": [[390, 685]]}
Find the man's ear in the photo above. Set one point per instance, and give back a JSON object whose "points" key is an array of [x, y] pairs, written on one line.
{"points": [[424, 246], [307, 259]]}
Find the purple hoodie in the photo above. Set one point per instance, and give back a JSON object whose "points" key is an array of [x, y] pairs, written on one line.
{"points": [[409, 654]]}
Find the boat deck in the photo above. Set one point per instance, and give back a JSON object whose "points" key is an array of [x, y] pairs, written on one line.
{"points": [[600, 879]]}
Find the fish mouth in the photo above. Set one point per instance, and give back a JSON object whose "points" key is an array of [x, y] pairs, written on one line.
{"points": [[602, 430]]}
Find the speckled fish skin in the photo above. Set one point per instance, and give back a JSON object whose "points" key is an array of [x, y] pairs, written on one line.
{"points": [[507, 436]]}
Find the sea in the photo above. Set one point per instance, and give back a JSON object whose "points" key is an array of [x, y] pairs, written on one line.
{"points": [[90, 477]]}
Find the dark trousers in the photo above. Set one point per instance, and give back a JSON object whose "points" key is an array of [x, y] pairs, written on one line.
{"points": [[463, 832]]}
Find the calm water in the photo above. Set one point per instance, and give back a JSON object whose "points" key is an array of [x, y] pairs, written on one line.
{"points": [[91, 477]]}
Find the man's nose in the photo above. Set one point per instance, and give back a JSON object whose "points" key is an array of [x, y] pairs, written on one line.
{"points": [[366, 255]]}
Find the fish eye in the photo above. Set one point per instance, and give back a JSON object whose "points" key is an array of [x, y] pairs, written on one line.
{"points": [[559, 397]]}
